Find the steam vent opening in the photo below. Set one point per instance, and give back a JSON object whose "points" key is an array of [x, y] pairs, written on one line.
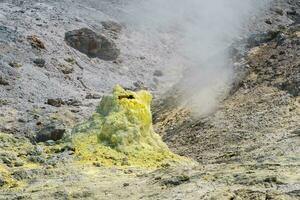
{"points": [[120, 133]]}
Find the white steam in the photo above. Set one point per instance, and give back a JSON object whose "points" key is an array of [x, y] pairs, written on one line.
{"points": [[204, 29]]}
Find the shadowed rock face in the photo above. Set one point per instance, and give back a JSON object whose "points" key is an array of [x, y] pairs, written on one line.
{"points": [[50, 132], [93, 45]]}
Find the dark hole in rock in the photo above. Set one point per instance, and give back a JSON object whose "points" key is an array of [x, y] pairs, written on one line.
{"points": [[126, 97]]}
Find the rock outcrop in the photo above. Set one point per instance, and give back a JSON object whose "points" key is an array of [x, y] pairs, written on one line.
{"points": [[92, 44]]}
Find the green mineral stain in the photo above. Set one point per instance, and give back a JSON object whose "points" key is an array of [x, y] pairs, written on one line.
{"points": [[121, 133]]}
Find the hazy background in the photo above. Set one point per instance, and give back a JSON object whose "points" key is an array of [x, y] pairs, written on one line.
{"points": [[197, 33], [204, 30]]}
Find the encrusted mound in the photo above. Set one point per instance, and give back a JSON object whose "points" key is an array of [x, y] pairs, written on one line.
{"points": [[121, 132], [127, 123]]}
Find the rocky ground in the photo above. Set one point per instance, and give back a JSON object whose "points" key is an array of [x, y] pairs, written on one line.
{"points": [[44, 79], [247, 149]]}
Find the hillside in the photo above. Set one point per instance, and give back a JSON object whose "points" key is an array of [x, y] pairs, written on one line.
{"points": [[59, 61]]}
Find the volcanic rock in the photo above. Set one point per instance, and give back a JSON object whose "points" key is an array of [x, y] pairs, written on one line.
{"points": [[55, 102], [40, 62], [3, 81], [50, 132], [92, 44], [112, 26], [36, 42]]}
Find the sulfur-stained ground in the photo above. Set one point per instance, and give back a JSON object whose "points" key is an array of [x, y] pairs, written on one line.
{"points": [[248, 149]]}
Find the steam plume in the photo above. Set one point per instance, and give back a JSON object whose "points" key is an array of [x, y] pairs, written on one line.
{"points": [[204, 30]]}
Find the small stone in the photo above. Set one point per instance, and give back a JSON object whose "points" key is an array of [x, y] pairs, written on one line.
{"points": [[112, 26], [40, 62], [260, 38], [6, 160], [15, 64], [291, 12], [77, 19], [50, 142], [139, 85], [4, 102], [278, 11], [93, 96], [66, 69], [3, 81], [125, 184], [22, 174], [70, 60], [18, 164], [129, 171], [58, 102], [124, 162], [36, 159], [68, 147], [73, 102], [2, 181], [36, 42], [158, 73], [38, 150], [21, 120], [296, 132], [97, 164], [268, 21], [177, 180], [118, 61]]}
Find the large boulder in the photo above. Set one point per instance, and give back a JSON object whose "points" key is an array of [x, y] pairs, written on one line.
{"points": [[51, 132], [92, 44]]}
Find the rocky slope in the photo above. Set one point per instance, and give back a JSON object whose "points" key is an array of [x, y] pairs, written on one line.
{"points": [[247, 149], [43, 78]]}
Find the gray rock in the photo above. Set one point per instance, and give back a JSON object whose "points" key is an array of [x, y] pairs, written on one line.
{"points": [[92, 44], [40, 62], [158, 73], [93, 96], [4, 102], [73, 102], [2, 181], [260, 38], [268, 21], [22, 174], [139, 85], [279, 11], [37, 151], [66, 69], [36, 42], [36, 159], [125, 184], [55, 102], [176, 180], [15, 64], [112, 26], [18, 164], [50, 142], [50, 132], [3, 81]]}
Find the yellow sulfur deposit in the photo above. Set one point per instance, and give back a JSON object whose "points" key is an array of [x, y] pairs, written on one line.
{"points": [[121, 133]]}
